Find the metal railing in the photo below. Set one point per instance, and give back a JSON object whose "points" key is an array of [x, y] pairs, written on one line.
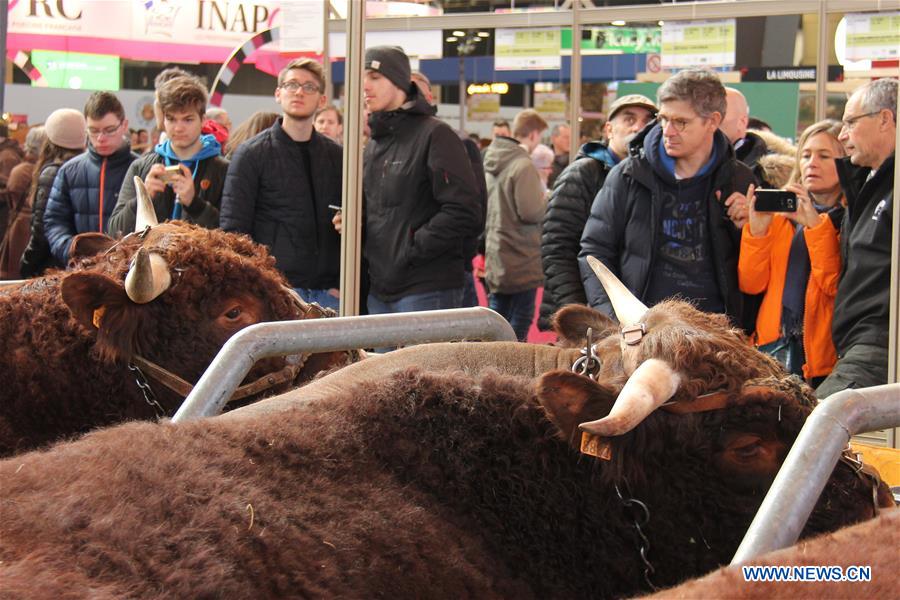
{"points": [[809, 464], [265, 340]]}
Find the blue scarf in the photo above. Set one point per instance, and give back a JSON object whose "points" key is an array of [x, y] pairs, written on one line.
{"points": [[209, 148]]}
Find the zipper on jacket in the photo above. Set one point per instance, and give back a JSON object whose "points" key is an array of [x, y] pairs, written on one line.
{"points": [[102, 185]]}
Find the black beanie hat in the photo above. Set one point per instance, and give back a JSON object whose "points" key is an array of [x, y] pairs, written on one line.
{"points": [[392, 62]]}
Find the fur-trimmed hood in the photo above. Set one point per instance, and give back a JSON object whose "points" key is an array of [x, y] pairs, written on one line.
{"points": [[778, 164]]}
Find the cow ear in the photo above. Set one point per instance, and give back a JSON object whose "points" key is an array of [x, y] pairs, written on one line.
{"points": [[88, 244], [572, 321], [100, 303], [570, 399]]}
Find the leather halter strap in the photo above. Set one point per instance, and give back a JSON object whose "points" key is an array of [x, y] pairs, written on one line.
{"points": [[183, 388], [705, 403]]}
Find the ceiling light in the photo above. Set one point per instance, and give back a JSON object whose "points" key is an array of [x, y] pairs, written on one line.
{"points": [[459, 33], [452, 39], [661, 23], [619, 23], [484, 34]]}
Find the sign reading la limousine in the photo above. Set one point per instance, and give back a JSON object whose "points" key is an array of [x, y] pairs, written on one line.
{"points": [[171, 30]]}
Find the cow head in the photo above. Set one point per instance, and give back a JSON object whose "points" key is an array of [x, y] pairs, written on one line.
{"points": [[681, 389], [174, 293], [673, 353]]}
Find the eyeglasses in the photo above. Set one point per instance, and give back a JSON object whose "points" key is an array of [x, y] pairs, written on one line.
{"points": [[850, 123], [106, 131], [678, 123], [294, 86]]}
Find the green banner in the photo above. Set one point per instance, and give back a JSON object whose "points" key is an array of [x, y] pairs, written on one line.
{"points": [[615, 40]]}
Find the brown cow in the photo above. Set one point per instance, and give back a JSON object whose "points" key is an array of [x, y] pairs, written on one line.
{"points": [[67, 340], [415, 485], [872, 545]]}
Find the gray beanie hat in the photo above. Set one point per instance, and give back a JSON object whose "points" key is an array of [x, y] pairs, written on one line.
{"points": [[65, 128], [392, 62]]}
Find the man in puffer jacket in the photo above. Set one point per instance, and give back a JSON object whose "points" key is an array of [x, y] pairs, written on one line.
{"points": [[421, 201], [667, 221], [194, 192], [571, 199], [87, 187]]}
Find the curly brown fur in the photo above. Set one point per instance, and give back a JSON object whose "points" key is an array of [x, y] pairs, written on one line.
{"points": [[407, 487], [703, 347], [60, 376], [872, 544]]}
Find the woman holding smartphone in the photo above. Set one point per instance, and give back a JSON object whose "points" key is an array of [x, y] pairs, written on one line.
{"points": [[794, 259]]}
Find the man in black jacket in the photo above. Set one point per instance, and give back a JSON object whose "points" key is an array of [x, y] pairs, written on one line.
{"points": [[860, 326], [281, 182], [667, 220], [571, 199], [421, 200]]}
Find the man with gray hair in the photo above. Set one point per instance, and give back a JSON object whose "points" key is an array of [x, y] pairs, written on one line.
{"points": [[860, 324], [560, 138], [667, 220]]}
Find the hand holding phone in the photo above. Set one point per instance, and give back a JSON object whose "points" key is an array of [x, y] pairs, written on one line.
{"points": [[775, 201], [169, 173]]}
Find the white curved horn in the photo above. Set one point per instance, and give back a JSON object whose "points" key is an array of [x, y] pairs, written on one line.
{"points": [[148, 277], [146, 216], [629, 310], [649, 387]]}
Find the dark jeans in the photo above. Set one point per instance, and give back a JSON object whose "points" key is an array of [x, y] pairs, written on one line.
{"points": [[863, 365], [320, 297], [516, 308], [437, 300], [470, 296]]}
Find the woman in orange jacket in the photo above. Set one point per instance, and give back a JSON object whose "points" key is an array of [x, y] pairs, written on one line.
{"points": [[795, 259]]}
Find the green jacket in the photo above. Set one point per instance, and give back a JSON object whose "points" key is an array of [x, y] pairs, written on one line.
{"points": [[516, 206]]}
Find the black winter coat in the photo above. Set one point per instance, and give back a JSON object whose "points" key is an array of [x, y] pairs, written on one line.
{"points": [[625, 223], [567, 212], [37, 258], [204, 210], [264, 197], [421, 202], [862, 302]]}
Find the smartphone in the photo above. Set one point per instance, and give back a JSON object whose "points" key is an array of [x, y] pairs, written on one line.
{"points": [[169, 172], [335, 208], [775, 201]]}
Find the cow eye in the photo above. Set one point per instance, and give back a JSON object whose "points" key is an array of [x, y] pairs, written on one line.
{"points": [[234, 313], [748, 450]]}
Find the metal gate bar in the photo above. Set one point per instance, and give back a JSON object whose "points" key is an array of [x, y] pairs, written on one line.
{"points": [[265, 340], [809, 464]]}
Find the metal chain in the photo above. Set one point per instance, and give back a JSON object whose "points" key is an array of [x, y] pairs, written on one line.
{"points": [[641, 518], [141, 380], [588, 364]]}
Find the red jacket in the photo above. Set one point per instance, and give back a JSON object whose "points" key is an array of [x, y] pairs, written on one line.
{"points": [[762, 266]]}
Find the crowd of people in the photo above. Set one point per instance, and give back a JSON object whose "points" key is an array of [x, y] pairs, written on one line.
{"points": [[667, 200]]}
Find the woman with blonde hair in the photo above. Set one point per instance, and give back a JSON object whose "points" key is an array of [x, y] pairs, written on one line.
{"points": [[794, 258]]}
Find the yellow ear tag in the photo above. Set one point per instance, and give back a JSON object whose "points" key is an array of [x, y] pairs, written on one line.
{"points": [[595, 445], [98, 315]]}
